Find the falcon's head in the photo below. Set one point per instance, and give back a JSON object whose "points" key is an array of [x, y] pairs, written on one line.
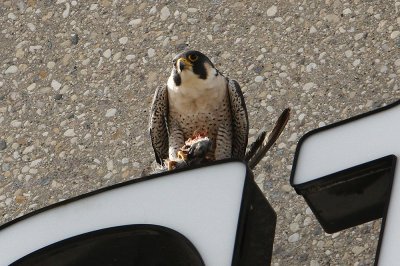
{"points": [[192, 67]]}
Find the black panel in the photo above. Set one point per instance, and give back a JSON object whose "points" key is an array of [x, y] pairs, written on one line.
{"points": [[258, 229], [147, 245], [350, 197]]}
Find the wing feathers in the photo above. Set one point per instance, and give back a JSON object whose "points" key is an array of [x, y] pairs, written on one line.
{"points": [[240, 122], [158, 124]]}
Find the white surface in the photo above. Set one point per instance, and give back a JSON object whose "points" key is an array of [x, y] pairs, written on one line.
{"points": [[201, 204], [351, 144]]}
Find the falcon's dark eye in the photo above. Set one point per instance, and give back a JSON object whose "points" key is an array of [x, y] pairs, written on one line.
{"points": [[193, 57]]}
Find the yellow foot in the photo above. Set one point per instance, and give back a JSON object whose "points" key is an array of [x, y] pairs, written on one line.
{"points": [[182, 155], [170, 164]]}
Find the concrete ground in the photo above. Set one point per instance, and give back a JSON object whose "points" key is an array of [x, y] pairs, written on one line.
{"points": [[77, 79]]}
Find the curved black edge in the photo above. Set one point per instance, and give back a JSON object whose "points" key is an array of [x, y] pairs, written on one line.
{"points": [[333, 125], [115, 186], [105, 234], [382, 230], [242, 217]]}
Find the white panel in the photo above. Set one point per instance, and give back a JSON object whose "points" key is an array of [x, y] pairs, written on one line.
{"points": [[351, 144], [348, 145], [202, 204]]}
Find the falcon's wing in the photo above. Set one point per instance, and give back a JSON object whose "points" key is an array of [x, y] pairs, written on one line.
{"points": [[158, 124], [240, 121]]}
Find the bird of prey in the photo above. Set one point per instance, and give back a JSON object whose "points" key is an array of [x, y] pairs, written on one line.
{"points": [[197, 97]]}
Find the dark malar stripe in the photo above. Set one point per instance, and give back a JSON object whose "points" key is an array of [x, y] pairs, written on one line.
{"points": [[177, 79], [200, 70]]}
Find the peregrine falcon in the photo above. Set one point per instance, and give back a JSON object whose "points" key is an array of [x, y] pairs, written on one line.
{"points": [[197, 97]]}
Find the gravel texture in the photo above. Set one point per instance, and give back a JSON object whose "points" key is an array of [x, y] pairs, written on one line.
{"points": [[77, 79]]}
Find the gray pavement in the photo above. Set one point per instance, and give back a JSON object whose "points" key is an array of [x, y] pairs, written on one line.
{"points": [[77, 79]]}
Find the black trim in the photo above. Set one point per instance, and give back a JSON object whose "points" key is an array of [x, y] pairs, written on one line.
{"points": [[382, 231], [352, 196], [246, 194], [139, 244]]}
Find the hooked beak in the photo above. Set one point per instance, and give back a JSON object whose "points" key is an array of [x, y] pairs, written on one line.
{"points": [[182, 63]]}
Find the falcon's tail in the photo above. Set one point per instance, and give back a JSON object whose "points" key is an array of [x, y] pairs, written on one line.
{"points": [[260, 146], [253, 147]]}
